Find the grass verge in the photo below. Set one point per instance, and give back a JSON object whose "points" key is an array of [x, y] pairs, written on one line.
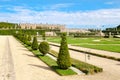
{"points": [[51, 63], [107, 44]]}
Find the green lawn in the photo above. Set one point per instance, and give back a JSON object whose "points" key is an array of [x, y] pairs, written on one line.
{"points": [[108, 44]]}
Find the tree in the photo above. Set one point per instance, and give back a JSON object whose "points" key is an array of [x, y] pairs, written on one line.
{"points": [[35, 43], [43, 36], [63, 60], [44, 47], [29, 37], [25, 39]]}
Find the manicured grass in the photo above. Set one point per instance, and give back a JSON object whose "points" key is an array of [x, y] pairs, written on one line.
{"points": [[92, 53], [85, 67], [107, 44], [113, 48]]}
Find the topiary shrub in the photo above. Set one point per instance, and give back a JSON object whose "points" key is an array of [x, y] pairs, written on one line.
{"points": [[43, 36], [29, 37], [44, 47], [25, 39], [34, 43], [63, 60]]}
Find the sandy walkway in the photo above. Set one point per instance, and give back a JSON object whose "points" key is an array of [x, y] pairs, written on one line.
{"points": [[7, 66], [111, 67]]}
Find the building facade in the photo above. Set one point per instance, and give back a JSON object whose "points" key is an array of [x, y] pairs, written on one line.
{"points": [[42, 26]]}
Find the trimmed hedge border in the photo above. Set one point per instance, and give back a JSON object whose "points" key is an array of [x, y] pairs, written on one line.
{"points": [[99, 55]]}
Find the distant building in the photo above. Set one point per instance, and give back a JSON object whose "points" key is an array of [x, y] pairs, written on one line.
{"points": [[62, 28], [41, 26], [50, 34], [75, 30]]}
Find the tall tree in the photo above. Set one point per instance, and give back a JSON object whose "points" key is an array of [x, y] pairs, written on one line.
{"points": [[43, 36], [63, 60]]}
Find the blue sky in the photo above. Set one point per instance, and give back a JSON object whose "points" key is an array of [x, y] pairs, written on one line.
{"points": [[72, 13]]}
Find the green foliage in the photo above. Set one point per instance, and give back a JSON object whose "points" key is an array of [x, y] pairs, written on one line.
{"points": [[35, 43], [7, 32], [43, 36], [29, 37], [25, 39], [28, 43], [63, 60], [44, 47], [85, 67], [6, 25]]}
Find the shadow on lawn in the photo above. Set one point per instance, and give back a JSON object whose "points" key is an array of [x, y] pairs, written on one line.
{"points": [[39, 66]]}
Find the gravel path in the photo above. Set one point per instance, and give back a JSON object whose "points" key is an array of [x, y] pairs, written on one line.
{"points": [[7, 66], [111, 67]]}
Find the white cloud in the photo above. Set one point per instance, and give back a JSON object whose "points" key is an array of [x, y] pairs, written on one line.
{"points": [[57, 6], [109, 3], [96, 17]]}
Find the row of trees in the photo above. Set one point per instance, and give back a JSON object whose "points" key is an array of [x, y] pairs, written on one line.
{"points": [[112, 32], [117, 28], [63, 59], [27, 39]]}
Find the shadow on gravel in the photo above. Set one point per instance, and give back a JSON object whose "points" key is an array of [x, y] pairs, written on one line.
{"points": [[30, 55], [39, 66], [118, 64], [24, 49]]}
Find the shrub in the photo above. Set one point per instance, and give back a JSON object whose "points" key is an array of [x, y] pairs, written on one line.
{"points": [[44, 47], [24, 39], [28, 43], [35, 43], [29, 37], [63, 60], [43, 36]]}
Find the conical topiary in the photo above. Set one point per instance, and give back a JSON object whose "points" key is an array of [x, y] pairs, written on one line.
{"points": [[63, 60], [35, 43], [43, 36]]}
